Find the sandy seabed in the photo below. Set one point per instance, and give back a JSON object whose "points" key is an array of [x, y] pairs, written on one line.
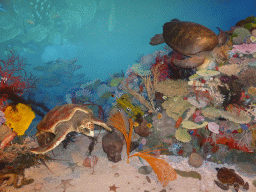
{"points": [[125, 177]]}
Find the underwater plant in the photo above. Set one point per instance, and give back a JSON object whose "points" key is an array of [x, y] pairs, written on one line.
{"points": [[164, 171]]}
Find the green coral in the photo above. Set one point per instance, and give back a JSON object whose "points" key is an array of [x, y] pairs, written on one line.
{"points": [[175, 107], [242, 32], [182, 135], [115, 82]]}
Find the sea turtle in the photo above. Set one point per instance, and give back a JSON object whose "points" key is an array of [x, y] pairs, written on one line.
{"points": [[60, 121], [228, 177], [190, 39]]}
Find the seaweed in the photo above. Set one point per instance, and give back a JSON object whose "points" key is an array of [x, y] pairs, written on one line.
{"points": [[192, 174]]}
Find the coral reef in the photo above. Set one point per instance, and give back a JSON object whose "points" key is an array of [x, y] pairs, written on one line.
{"points": [[14, 79], [172, 88]]}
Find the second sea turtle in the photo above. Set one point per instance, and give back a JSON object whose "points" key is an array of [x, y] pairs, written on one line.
{"points": [[190, 39]]}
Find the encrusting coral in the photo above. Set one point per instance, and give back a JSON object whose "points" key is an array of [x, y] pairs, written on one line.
{"points": [[172, 88], [176, 106]]}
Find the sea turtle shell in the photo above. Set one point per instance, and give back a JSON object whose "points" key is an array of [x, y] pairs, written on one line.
{"points": [[60, 121], [189, 38], [60, 114], [228, 177]]}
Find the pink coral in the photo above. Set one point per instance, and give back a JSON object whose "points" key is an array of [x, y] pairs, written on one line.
{"points": [[244, 48]]}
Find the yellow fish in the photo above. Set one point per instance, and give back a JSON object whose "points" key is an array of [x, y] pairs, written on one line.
{"points": [[149, 125], [31, 22], [159, 116], [135, 124]]}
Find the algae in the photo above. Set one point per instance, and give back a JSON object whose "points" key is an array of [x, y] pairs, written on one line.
{"points": [[254, 182], [192, 174]]}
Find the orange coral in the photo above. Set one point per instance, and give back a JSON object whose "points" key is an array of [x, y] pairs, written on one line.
{"points": [[164, 171]]}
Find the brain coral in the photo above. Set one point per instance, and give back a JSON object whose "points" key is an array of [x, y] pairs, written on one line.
{"points": [[172, 88]]}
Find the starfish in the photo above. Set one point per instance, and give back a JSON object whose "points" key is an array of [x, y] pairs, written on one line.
{"points": [[65, 184], [72, 166], [113, 188]]}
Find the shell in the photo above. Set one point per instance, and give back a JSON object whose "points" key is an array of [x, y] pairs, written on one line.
{"points": [[214, 127], [59, 114], [90, 161]]}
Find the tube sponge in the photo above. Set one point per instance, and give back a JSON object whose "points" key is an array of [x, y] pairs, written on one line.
{"points": [[20, 119]]}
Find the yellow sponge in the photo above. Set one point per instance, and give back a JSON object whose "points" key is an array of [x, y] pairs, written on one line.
{"points": [[20, 119]]}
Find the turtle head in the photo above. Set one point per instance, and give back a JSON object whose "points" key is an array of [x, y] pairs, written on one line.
{"points": [[86, 128]]}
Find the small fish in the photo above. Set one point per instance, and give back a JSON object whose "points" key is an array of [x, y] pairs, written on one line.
{"points": [[164, 97], [31, 22], [135, 124], [159, 116], [149, 125]]}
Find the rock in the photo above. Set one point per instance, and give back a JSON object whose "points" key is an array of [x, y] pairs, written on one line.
{"points": [[148, 179], [195, 160], [145, 170], [112, 144]]}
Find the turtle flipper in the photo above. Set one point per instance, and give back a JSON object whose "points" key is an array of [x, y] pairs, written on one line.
{"points": [[61, 132], [157, 39], [246, 186], [222, 186], [102, 124]]}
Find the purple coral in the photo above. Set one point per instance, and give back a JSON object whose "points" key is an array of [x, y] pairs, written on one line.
{"points": [[2, 118], [244, 48]]}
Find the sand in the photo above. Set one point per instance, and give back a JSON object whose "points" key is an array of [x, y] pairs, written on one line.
{"points": [[122, 175]]}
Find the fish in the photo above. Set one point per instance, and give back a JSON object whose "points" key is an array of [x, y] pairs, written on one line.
{"points": [[8, 139], [149, 125], [135, 124]]}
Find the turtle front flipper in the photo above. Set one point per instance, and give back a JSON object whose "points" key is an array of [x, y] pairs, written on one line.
{"points": [[157, 39], [222, 186], [61, 131], [102, 124]]}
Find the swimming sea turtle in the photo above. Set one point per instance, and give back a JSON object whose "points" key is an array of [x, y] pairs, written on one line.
{"points": [[228, 177], [60, 121], [190, 39]]}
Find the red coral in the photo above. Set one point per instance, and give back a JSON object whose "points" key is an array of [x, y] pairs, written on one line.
{"points": [[161, 65], [14, 79]]}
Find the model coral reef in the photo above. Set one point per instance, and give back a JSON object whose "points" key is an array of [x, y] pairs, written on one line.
{"points": [[193, 99]]}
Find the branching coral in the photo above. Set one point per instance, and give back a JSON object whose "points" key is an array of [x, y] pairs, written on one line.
{"points": [[150, 88], [14, 79]]}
